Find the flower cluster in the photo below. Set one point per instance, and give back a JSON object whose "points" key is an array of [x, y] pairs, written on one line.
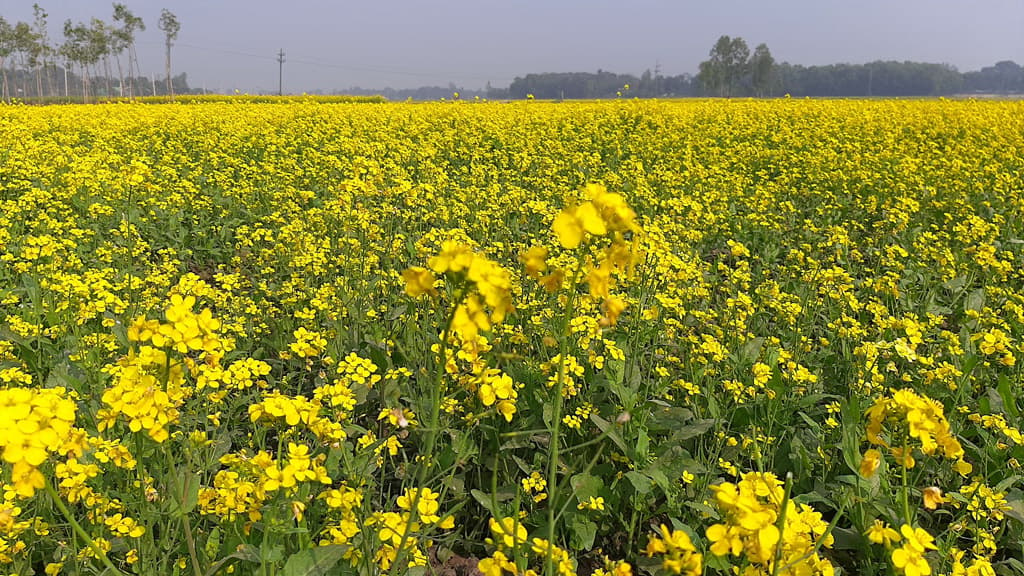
{"points": [[33, 424], [511, 541], [909, 556], [148, 392], [307, 344], [677, 552], [293, 410], [403, 532], [497, 389], [751, 529], [605, 213], [488, 283], [185, 331], [910, 416]]}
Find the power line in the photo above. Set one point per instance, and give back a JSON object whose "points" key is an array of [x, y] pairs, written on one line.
{"points": [[324, 64]]}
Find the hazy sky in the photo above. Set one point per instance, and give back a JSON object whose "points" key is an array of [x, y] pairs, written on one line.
{"points": [[231, 44]]}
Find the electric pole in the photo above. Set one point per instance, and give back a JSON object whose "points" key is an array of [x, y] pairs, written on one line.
{"points": [[280, 71], [657, 78]]}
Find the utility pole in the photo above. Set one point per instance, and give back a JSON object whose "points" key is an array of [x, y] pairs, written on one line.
{"points": [[280, 71], [657, 78]]}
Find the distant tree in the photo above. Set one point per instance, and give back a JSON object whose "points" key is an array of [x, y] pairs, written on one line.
{"points": [[84, 45], [871, 79], [100, 48], [6, 51], [761, 68], [1004, 77], [25, 48], [41, 52], [170, 26], [646, 86], [76, 40], [125, 40], [727, 66]]}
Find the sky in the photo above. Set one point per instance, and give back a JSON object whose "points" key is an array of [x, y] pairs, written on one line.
{"points": [[227, 45]]}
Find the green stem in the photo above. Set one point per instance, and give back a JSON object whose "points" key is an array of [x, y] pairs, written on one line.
{"points": [[432, 428], [182, 495], [131, 255], [905, 491], [80, 531], [556, 417], [781, 526]]}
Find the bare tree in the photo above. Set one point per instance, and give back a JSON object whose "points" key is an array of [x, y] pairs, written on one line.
{"points": [[24, 44], [170, 26], [99, 48], [6, 51], [41, 50], [77, 49], [124, 39]]}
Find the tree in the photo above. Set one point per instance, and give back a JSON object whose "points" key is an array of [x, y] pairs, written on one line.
{"points": [[6, 51], [80, 47], [761, 65], [100, 47], [170, 26], [125, 40], [41, 51], [726, 67], [24, 47]]}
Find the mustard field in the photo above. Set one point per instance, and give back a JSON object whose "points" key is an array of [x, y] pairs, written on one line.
{"points": [[612, 338]]}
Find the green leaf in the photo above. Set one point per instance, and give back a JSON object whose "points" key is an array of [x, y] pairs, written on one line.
{"points": [[955, 284], [640, 482], [719, 563], [1007, 482], [704, 509], [850, 443], [212, 545], [984, 405], [245, 553], [975, 300], [1010, 566], [713, 407], [658, 477], [698, 428], [751, 350], [643, 445], [317, 561], [1009, 400], [675, 461], [183, 504], [609, 428], [669, 418], [485, 501], [809, 421], [847, 539], [1016, 510], [271, 554], [585, 486], [583, 532]]}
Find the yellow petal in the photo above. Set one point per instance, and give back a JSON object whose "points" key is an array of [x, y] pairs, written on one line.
{"points": [[568, 228]]}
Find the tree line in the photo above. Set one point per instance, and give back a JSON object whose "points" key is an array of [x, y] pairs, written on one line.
{"points": [[733, 70], [83, 63]]}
